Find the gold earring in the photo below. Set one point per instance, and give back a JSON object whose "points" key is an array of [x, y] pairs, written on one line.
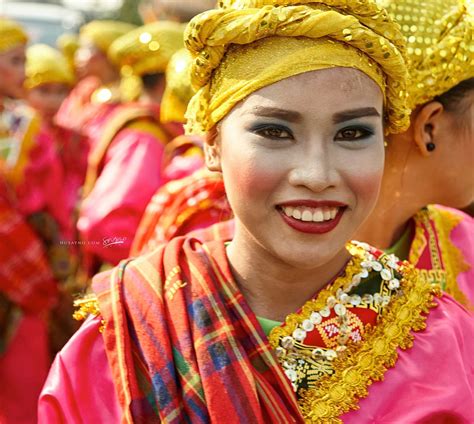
{"points": [[385, 144]]}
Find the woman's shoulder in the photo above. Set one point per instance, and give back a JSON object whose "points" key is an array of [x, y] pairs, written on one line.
{"points": [[73, 392]]}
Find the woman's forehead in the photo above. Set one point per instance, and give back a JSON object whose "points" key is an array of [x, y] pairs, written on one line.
{"points": [[322, 91]]}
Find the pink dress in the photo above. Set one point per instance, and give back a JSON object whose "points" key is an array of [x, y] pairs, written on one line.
{"points": [[432, 382]]}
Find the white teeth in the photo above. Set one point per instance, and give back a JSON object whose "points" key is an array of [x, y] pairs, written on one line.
{"points": [[318, 216], [306, 214], [327, 214], [296, 214]]}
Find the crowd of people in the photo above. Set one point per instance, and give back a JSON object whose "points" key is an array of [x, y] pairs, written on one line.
{"points": [[179, 204]]}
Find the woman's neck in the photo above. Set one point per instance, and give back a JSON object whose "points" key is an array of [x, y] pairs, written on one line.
{"points": [[272, 288]]}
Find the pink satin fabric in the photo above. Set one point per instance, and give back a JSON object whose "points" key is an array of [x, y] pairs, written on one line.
{"points": [[23, 371], [79, 388], [111, 213], [431, 383], [462, 237]]}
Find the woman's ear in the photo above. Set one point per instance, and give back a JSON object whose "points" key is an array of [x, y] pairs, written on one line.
{"points": [[426, 126], [212, 151]]}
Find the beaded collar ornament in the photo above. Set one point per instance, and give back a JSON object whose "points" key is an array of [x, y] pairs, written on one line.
{"points": [[330, 318]]}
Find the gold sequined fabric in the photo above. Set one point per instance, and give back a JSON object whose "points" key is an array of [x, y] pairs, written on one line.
{"points": [[103, 33], [244, 45], [46, 65], [178, 91], [148, 49], [440, 51], [11, 35]]}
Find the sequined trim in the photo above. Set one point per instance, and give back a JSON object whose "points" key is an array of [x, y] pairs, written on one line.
{"points": [[447, 260], [85, 306], [367, 362]]}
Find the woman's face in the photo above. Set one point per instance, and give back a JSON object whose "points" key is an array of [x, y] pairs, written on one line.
{"points": [[47, 98], [302, 161], [12, 72]]}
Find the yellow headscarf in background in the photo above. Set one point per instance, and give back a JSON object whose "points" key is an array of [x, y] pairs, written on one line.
{"points": [[145, 50], [11, 35], [245, 45], [178, 91], [440, 51], [46, 65], [103, 33], [68, 45]]}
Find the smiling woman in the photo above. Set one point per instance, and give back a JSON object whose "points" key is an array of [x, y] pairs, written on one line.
{"points": [[287, 322]]}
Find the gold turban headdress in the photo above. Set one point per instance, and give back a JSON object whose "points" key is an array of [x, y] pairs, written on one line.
{"points": [[244, 45], [103, 33], [46, 65], [145, 50], [11, 35], [178, 91], [148, 49], [440, 51]]}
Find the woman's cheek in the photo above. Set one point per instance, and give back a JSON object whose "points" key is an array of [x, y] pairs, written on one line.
{"points": [[250, 175], [364, 177]]}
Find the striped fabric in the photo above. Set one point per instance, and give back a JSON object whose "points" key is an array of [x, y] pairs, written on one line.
{"points": [[184, 346], [179, 207]]}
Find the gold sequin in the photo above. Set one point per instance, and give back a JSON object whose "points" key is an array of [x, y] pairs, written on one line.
{"points": [[440, 44]]}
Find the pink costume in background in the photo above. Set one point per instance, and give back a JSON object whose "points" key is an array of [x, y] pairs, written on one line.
{"points": [[123, 174]]}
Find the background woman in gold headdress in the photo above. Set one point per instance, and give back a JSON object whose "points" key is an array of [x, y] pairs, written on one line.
{"points": [[282, 324], [431, 162]]}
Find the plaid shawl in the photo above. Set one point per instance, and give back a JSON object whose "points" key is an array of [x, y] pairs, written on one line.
{"points": [[184, 346]]}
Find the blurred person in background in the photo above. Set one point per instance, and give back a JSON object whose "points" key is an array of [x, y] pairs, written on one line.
{"points": [[97, 91], [193, 198], [49, 80], [125, 161], [431, 162], [28, 289]]}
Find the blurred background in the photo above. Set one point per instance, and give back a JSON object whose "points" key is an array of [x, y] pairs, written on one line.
{"points": [[47, 19]]}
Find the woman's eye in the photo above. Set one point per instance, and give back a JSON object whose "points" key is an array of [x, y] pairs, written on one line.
{"points": [[273, 132], [351, 134]]}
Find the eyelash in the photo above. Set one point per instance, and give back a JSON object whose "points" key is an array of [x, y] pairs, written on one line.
{"points": [[263, 131], [363, 131]]}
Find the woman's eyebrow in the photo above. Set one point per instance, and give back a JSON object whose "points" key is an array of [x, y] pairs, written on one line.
{"points": [[272, 112], [347, 115]]}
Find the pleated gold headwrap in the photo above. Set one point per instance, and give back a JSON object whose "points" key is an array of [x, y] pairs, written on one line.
{"points": [[245, 45], [46, 65], [11, 35], [440, 50]]}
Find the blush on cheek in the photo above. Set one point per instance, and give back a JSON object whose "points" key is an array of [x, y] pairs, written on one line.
{"points": [[250, 177], [366, 186]]}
